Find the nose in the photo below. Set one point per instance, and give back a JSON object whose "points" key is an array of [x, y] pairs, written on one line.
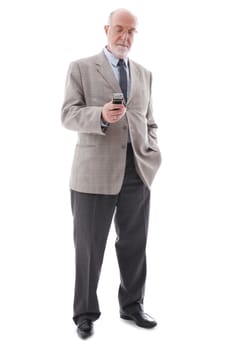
{"points": [[125, 34]]}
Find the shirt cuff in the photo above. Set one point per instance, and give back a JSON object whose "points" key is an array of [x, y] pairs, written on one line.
{"points": [[104, 124]]}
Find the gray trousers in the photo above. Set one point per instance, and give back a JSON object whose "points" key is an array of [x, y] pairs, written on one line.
{"points": [[93, 214]]}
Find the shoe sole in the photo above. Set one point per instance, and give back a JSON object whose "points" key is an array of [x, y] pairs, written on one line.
{"points": [[128, 318]]}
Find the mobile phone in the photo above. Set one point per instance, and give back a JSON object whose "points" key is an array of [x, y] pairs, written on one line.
{"points": [[117, 98]]}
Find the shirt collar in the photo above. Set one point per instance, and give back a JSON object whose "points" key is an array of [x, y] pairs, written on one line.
{"points": [[113, 59]]}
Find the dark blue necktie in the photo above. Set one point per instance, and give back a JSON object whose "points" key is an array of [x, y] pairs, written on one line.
{"points": [[123, 78]]}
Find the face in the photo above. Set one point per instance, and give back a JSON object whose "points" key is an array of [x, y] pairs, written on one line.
{"points": [[120, 33]]}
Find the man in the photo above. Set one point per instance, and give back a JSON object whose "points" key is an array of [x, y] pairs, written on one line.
{"points": [[115, 161]]}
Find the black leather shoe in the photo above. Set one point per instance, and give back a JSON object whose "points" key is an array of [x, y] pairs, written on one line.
{"points": [[140, 318], [85, 329]]}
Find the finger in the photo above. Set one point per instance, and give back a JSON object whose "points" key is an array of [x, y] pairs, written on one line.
{"points": [[115, 118], [117, 112], [116, 107]]}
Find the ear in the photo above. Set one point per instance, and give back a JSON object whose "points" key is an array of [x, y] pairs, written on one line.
{"points": [[106, 28]]}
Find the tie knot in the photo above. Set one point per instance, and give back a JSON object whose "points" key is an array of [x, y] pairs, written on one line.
{"points": [[121, 62]]}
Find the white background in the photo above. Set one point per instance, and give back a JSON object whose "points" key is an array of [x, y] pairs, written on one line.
{"points": [[188, 47]]}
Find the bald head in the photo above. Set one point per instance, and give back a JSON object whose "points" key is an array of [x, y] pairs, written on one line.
{"points": [[123, 13]]}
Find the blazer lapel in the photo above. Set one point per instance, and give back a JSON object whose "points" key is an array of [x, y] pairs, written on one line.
{"points": [[134, 79], [104, 68]]}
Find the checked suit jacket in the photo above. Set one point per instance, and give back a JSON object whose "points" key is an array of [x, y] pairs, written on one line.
{"points": [[100, 154]]}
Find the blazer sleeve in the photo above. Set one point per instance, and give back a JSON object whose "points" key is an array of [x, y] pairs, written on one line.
{"points": [[75, 114], [151, 125]]}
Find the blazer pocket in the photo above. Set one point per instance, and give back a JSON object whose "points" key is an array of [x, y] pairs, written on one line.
{"points": [[154, 148], [85, 146]]}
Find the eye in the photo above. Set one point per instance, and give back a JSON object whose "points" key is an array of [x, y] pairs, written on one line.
{"points": [[119, 29], [132, 32]]}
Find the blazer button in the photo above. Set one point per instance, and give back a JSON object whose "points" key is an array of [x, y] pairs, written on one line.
{"points": [[124, 127], [123, 146]]}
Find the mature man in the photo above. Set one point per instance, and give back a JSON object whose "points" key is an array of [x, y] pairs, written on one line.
{"points": [[115, 161]]}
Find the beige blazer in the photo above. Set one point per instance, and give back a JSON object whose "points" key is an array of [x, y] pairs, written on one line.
{"points": [[99, 158]]}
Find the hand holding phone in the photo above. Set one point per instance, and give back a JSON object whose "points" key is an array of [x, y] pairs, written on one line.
{"points": [[114, 110]]}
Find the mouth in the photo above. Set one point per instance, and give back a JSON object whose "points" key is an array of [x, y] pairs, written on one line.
{"points": [[122, 45]]}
